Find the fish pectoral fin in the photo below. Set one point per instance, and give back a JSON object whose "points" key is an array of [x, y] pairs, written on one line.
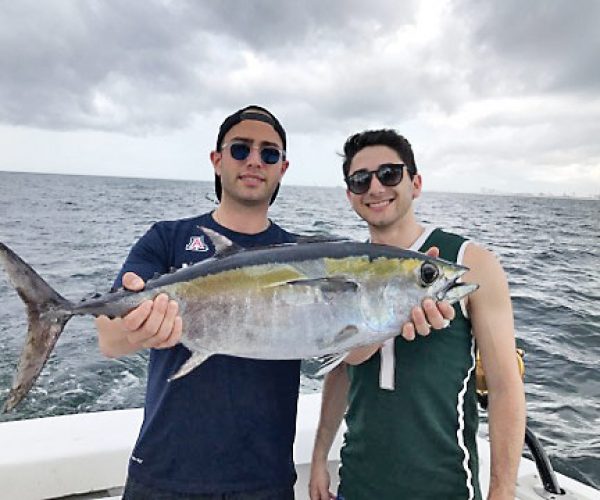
{"points": [[195, 360], [329, 362], [332, 284]]}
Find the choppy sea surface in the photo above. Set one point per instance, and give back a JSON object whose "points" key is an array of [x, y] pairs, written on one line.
{"points": [[76, 232]]}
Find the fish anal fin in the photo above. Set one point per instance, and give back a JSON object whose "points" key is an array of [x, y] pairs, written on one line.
{"points": [[329, 362], [195, 360]]}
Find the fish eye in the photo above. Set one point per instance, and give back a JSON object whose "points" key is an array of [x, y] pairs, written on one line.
{"points": [[429, 273]]}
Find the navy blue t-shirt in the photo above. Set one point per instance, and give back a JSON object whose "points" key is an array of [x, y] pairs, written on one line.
{"points": [[229, 425]]}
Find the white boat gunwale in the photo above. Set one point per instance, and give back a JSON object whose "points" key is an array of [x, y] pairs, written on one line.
{"points": [[66, 455]]}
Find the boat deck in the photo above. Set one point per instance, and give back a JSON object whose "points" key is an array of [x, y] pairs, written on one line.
{"points": [[85, 456]]}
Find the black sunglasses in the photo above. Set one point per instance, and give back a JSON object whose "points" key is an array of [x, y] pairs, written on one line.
{"points": [[241, 150], [389, 174]]}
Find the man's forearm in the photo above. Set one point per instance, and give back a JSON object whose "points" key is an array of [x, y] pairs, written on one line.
{"points": [[333, 407], [361, 354], [507, 431]]}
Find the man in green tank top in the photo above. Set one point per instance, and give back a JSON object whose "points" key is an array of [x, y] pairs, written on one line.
{"points": [[410, 404]]}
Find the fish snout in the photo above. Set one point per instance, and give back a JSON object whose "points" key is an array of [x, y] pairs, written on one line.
{"points": [[453, 291]]}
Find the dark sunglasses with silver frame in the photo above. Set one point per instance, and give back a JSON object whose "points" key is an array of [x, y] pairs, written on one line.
{"points": [[269, 155], [389, 174]]}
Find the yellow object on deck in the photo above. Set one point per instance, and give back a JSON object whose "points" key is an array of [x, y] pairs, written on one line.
{"points": [[480, 374]]}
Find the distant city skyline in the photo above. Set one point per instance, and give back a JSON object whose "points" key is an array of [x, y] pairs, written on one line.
{"points": [[493, 101]]}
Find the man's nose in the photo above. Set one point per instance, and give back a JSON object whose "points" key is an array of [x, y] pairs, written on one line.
{"points": [[376, 187], [254, 158]]}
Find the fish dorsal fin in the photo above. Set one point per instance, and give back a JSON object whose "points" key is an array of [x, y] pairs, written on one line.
{"points": [[313, 238], [92, 296], [222, 244], [329, 362]]}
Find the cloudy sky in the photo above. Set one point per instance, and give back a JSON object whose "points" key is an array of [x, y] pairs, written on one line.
{"points": [[501, 96]]}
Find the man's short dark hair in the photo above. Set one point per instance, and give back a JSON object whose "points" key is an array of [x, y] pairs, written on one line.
{"points": [[382, 137]]}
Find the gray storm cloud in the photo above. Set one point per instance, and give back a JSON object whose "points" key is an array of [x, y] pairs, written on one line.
{"points": [[131, 65], [137, 66], [544, 45]]}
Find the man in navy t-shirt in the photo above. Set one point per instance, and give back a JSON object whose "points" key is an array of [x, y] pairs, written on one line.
{"points": [[226, 429]]}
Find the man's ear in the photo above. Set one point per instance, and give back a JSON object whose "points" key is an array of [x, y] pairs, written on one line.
{"points": [[417, 183], [215, 159], [284, 166]]}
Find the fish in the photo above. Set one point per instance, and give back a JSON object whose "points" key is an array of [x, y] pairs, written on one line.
{"points": [[312, 299]]}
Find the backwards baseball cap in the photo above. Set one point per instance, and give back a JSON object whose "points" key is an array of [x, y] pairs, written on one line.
{"points": [[257, 113]]}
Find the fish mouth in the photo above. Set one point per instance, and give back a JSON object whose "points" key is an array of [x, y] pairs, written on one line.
{"points": [[454, 290]]}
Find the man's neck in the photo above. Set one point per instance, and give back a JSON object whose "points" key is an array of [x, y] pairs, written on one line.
{"points": [[403, 234], [247, 219]]}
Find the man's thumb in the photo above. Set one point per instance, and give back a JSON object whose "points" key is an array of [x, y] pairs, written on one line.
{"points": [[433, 252], [133, 282]]}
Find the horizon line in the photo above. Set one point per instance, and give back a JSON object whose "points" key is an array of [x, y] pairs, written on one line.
{"points": [[481, 192]]}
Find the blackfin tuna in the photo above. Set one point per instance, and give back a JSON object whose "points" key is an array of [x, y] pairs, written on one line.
{"points": [[291, 301]]}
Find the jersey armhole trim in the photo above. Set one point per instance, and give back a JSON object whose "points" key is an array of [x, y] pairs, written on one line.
{"points": [[459, 260], [423, 238]]}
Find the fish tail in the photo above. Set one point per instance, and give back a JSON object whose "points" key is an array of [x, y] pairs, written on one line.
{"points": [[48, 313]]}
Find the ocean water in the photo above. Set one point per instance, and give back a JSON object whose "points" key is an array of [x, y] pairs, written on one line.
{"points": [[76, 231]]}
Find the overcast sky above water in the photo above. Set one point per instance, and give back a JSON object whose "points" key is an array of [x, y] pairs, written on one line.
{"points": [[501, 96]]}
